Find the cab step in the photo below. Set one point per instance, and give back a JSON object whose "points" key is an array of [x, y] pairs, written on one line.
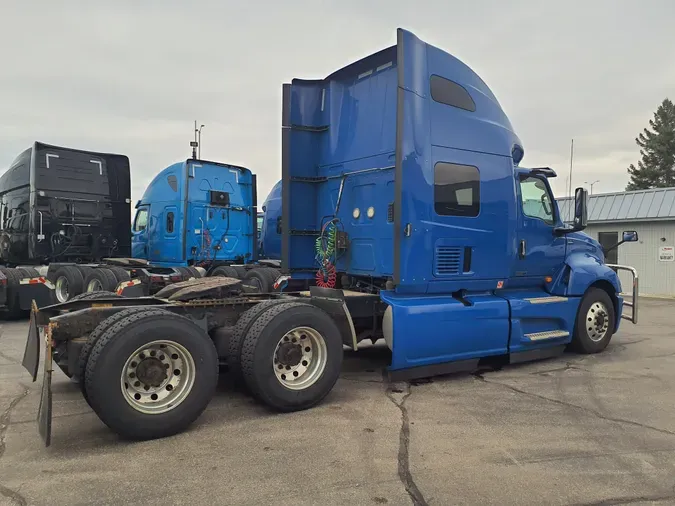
{"points": [[548, 334]]}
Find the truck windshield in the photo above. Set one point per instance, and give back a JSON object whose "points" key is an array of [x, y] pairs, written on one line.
{"points": [[141, 220], [536, 199]]}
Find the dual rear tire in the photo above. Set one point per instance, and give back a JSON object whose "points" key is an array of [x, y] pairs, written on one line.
{"points": [[149, 373]]}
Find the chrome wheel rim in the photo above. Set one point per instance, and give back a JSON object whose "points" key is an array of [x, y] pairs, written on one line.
{"points": [[300, 358], [94, 286], [62, 294], [597, 321], [157, 377]]}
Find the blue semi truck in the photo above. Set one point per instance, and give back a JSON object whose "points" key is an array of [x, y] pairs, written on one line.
{"points": [[202, 214], [403, 199]]}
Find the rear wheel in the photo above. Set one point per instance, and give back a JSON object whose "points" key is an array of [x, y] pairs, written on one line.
{"points": [[96, 295], [195, 272], [241, 328], [226, 271], [185, 274], [595, 322], [291, 356], [240, 270], [96, 334], [68, 282], [13, 304], [151, 375], [28, 272], [120, 274], [101, 279], [262, 278]]}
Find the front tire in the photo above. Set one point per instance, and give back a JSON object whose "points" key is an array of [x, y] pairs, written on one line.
{"points": [[595, 322], [292, 356], [151, 375]]}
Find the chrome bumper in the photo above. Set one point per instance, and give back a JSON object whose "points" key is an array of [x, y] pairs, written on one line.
{"points": [[633, 317]]}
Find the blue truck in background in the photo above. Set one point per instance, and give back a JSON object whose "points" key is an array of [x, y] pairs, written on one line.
{"points": [[270, 226], [202, 214], [197, 213], [404, 203]]}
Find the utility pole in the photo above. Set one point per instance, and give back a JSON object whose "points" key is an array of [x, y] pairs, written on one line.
{"points": [[591, 184], [571, 162]]}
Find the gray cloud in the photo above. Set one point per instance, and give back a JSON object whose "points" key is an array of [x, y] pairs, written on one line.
{"points": [[130, 77]]}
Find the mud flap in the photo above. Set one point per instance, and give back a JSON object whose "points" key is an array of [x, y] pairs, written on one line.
{"points": [[31, 354], [39, 289], [130, 289], [45, 410]]}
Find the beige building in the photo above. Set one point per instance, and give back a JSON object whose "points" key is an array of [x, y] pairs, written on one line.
{"points": [[649, 212]]}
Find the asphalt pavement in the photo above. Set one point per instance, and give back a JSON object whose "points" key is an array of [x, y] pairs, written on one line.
{"points": [[575, 430]]}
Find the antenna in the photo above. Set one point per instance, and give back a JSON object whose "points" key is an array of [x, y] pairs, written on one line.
{"points": [[571, 164], [194, 144]]}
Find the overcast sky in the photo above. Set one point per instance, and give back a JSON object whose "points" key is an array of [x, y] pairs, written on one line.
{"points": [[131, 76]]}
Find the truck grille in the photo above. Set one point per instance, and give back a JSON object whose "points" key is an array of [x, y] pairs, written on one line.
{"points": [[447, 261]]}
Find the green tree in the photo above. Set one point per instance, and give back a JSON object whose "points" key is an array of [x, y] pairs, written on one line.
{"points": [[656, 169]]}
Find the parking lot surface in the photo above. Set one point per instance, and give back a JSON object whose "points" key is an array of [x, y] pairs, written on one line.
{"points": [[586, 430]]}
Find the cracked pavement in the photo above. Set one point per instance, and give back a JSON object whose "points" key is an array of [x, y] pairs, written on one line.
{"points": [[575, 430]]}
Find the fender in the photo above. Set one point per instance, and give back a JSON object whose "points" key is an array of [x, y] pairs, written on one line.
{"points": [[580, 272]]}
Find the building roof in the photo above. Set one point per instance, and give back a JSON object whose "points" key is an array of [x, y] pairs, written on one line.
{"points": [[640, 205]]}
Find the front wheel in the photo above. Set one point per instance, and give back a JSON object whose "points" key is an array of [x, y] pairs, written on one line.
{"points": [[595, 322], [151, 375]]}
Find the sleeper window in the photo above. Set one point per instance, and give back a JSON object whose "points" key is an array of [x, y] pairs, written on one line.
{"points": [[456, 190]]}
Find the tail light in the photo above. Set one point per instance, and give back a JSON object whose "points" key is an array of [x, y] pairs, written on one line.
{"points": [[176, 278], [155, 279]]}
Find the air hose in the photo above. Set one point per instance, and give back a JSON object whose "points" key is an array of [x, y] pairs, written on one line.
{"points": [[325, 255]]}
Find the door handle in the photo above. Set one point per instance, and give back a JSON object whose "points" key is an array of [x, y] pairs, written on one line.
{"points": [[521, 251]]}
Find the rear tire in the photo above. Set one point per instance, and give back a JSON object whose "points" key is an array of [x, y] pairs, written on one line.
{"points": [[101, 279], [226, 271], [595, 322], [120, 274], [68, 282], [28, 272], [185, 274], [14, 311], [262, 278], [240, 270], [96, 295], [292, 356], [241, 328], [96, 334], [115, 374], [195, 272]]}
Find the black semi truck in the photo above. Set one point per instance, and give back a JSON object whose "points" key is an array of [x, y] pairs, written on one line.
{"points": [[65, 230]]}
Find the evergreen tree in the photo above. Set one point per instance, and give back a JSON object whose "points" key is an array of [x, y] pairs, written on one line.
{"points": [[656, 169]]}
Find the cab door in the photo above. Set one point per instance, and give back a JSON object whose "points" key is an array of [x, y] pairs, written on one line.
{"points": [[540, 252], [139, 234]]}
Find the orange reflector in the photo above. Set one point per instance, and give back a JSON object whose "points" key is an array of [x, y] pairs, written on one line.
{"points": [[548, 279]]}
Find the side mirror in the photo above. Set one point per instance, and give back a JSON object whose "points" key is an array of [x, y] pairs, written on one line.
{"points": [[581, 208], [630, 236]]}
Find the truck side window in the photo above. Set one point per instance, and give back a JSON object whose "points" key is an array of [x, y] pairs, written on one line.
{"points": [[141, 220], [536, 199], [456, 190], [450, 93], [169, 222]]}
